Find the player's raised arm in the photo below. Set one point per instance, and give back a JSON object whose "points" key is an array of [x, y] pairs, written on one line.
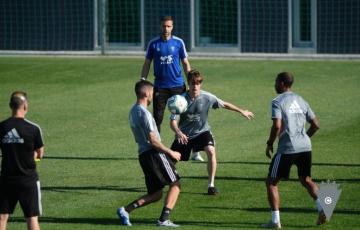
{"points": [[156, 143], [246, 113]]}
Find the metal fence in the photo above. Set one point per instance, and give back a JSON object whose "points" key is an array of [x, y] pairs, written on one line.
{"points": [[208, 27]]}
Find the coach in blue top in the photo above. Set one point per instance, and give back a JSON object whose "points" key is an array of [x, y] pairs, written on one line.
{"points": [[167, 51]]}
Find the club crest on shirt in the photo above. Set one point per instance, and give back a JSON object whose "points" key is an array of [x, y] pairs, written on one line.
{"points": [[166, 60], [192, 117]]}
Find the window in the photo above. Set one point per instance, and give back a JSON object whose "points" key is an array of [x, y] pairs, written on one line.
{"points": [[303, 23], [124, 22], [216, 23]]}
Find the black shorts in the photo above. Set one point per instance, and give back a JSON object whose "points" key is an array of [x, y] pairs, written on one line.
{"points": [[196, 144], [159, 170], [160, 99], [27, 194], [281, 164]]}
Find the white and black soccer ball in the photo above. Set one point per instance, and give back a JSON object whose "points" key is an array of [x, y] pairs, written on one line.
{"points": [[177, 104]]}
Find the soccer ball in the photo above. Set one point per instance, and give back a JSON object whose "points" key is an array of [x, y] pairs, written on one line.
{"points": [[177, 104]]}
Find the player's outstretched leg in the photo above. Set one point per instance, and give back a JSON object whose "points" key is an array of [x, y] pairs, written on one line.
{"points": [[124, 212], [211, 167], [274, 202], [170, 201], [312, 189]]}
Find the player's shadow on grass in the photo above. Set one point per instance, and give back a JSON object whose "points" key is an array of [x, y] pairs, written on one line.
{"points": [[231, 224], [73, 220], [219, 224], [91, 188], [139, 222], [305, 210], [267, 163], [262, 179], [285, 209], [90, 158], [202, 223]]}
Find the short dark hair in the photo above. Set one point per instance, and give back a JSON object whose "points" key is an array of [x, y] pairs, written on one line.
{"points": [[166, 18], [140, 88], [286, 78], [194, 75], [17, 99]]}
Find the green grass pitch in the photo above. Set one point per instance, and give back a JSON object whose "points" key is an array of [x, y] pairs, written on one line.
{"points": [[91, 165]]}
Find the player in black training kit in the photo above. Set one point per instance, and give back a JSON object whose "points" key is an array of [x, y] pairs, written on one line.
{"points": [[21, 144]]}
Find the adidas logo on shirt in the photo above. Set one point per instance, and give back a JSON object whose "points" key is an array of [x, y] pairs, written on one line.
{"points": [[295, 108], [12, 137]]}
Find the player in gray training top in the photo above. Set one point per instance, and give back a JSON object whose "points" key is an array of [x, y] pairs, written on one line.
{"points": [[156, 160], [290, 112], [193, 131]]}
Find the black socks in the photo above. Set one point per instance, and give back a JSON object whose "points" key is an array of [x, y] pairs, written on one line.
{"points": [[165, 214]]}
